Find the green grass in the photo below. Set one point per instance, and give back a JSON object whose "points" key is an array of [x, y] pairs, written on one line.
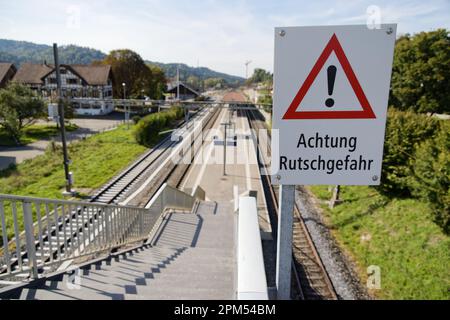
{"points": [[94, 161], [33, 133], [397, 235]]}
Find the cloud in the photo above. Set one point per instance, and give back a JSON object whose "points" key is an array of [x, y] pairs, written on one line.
{"points": [[220, 34]]}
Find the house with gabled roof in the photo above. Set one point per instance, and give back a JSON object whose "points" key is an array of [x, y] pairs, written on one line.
{"points": [[92, 84], [7, 72], [185, 91]]}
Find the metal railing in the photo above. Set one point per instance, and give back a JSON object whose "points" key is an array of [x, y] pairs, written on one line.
{"points": [[55, 231], [38, 235], [167, 198]]}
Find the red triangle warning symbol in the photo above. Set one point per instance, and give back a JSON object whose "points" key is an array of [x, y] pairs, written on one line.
{"points": [[365, 113]]}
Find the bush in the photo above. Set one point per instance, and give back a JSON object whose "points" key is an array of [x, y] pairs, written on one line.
{"points": [[136, 119], [148, 128], [404, 132], [431, 172]]}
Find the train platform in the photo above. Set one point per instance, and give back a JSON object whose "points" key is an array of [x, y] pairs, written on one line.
{"points": [[242, 176]]}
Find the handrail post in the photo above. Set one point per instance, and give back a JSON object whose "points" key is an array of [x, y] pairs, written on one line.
{"points": [[107, 219], [29, 235], [141, 223]]}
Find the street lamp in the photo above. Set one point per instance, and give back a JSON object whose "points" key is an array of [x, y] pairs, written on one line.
{"points": [[124, 85], [127, 115]]}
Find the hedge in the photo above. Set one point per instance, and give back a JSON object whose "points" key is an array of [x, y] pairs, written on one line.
{"points": [[404, 132], [148, 128]]}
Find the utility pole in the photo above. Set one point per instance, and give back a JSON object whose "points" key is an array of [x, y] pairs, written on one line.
{"points": [[178, 83], [246, 68], [68, 174]]}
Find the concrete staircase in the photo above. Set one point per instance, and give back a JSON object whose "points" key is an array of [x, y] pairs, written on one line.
{"points": [[192, 257]]}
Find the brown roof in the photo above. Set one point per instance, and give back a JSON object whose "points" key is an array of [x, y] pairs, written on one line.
{"points": [[4, 68], [94, 75], [33, 73]]}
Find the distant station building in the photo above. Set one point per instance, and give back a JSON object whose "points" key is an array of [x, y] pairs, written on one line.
{"points": [[93, 83], [186, 92], [7, 72]]}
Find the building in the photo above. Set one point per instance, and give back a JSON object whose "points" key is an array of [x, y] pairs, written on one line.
{"points": [[90, 83], [7, 72], [186, 92]]}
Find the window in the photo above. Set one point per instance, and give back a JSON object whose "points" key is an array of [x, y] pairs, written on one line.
{"points": [[52, 80], [62, 71], [72, 81]]}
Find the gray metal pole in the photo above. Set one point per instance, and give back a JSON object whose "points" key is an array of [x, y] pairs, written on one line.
{"points": [[61, 120], [225, 148], [178, 82], [284, 242], [29, 237]]}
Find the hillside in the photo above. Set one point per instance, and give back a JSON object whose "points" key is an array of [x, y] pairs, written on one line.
{"points": [[202, 73], [19, 52], [22, 51]]}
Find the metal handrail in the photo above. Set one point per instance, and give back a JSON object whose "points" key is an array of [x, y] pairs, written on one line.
{"points": [[57, 231]]}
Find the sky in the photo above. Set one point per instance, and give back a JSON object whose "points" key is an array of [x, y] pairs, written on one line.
{"points": [[221, 35]]}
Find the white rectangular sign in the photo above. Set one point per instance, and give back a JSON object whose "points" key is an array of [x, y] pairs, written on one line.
{"points": [[331, 88]]}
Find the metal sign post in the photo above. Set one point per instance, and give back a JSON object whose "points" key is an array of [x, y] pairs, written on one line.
{"points": [[284, 242]]}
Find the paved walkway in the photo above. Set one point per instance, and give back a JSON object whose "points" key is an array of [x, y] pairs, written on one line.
{"points": [[87, 126]]}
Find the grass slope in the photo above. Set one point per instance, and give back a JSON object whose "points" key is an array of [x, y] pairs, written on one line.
{"points": [[397, 235], [94, 161]]}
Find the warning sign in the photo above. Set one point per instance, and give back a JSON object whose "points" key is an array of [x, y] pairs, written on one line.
{"points": [[331, 87]]}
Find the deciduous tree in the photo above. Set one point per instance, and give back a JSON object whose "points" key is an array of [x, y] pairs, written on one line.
{"points": [[19, 107], [128, 67], [421, 72]]}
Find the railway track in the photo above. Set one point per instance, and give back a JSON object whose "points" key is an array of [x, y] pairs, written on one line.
{"points": [[127, 181], [309, 275]]}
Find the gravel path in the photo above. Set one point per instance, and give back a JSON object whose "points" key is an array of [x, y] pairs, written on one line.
{"points": [[339, 268]]}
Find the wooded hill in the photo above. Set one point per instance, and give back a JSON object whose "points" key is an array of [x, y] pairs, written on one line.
{"points": [[19, 52]]}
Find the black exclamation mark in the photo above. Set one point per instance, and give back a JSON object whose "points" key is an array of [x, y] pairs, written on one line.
{"points": [[331, 75]]}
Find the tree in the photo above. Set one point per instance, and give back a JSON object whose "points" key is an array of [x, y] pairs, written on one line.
{"points": [[260, 75], [421, 72], [214, 83], [158, 82], [194, 82], [128, 67], [19, 108]]}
